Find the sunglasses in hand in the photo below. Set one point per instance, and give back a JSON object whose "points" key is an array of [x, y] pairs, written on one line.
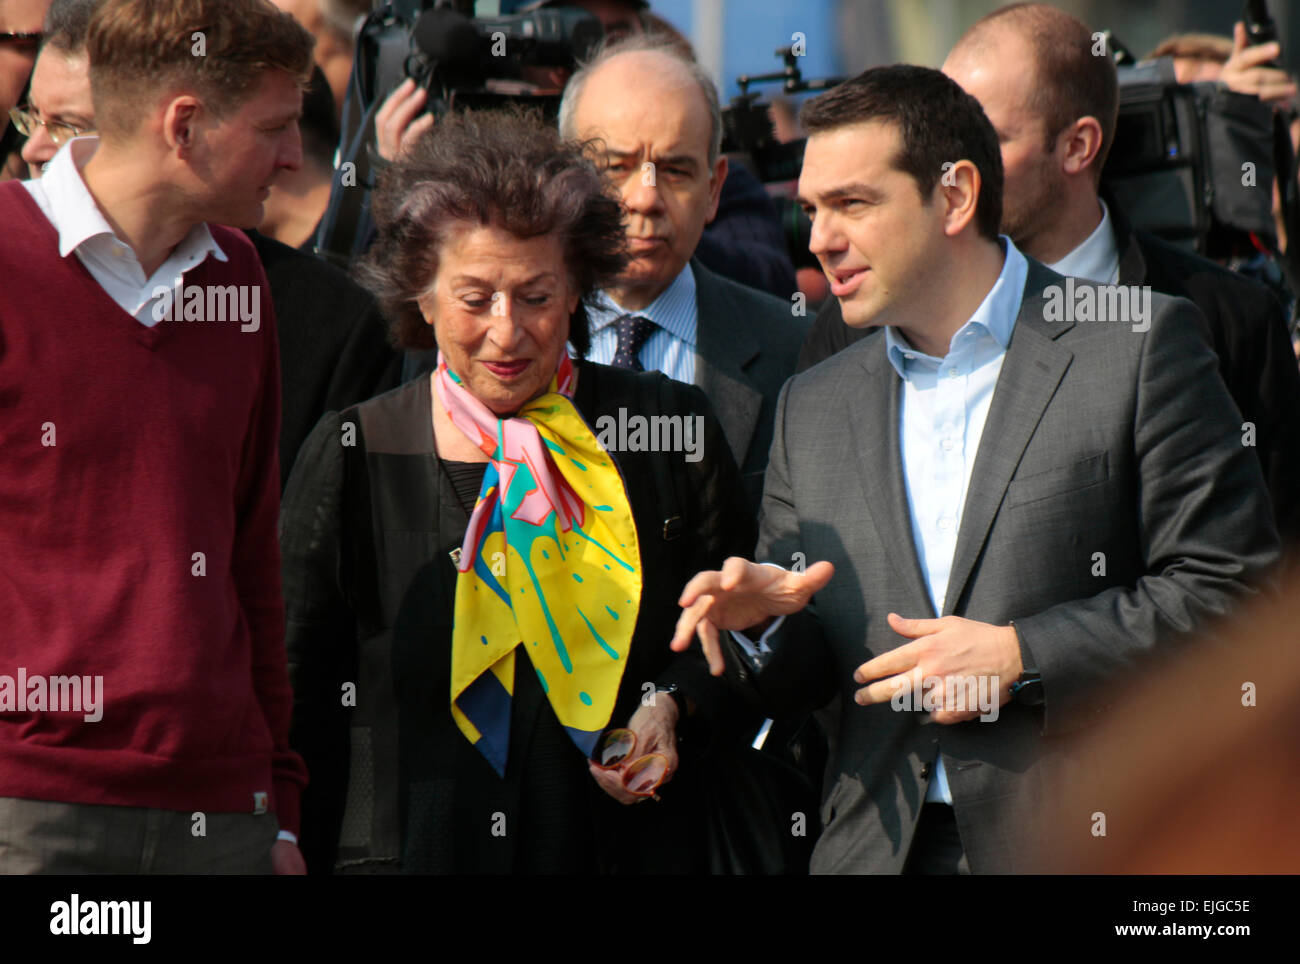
{"points": [[644, 775]]}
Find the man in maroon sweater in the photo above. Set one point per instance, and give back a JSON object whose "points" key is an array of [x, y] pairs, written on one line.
{"points": [[144, 696]]}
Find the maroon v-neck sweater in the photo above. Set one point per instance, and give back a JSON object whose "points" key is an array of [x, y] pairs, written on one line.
{"points": [[125, 453]]}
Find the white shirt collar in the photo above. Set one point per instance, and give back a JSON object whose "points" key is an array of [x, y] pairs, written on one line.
{"points": [[77, 218], [1097, 258], [993, 322]]}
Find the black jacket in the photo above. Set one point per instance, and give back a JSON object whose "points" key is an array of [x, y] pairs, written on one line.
{"points": [[1249, 336], [369, 589], [744, 242], [334, 349]]}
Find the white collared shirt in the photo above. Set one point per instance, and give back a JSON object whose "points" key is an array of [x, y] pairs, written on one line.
{"points": [[1097, 257], [944, 404], [63, 198], [942, 411], [671, 347]]}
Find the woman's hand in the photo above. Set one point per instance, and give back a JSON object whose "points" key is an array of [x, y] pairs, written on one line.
{"points": [[655, 727]]}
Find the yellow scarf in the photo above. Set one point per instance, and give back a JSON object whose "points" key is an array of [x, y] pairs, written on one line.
{"points": [[550, 561]]}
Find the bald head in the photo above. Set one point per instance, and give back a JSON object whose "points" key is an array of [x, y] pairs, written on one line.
{"points": [[1056, 65], [641, 68], [1049, 89], [651, 119]]}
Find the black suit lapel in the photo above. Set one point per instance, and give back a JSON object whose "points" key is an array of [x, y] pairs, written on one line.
{"points": [[1031, 372], [1132, 263], [723, 347]]}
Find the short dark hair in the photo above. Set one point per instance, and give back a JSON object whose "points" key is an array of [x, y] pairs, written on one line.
{"points": [[66, 23], [479, 168], [1069, 80], [938, 122]]}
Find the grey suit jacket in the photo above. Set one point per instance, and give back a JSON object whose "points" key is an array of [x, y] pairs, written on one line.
{"points": [[1099, 439], [747, 342]]}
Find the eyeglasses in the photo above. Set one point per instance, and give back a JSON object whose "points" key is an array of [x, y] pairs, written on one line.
{"points": [[643, 776], [23, 41], [59, 131]]}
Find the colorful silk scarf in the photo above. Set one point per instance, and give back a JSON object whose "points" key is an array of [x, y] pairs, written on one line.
{"points": [[550, 561]]}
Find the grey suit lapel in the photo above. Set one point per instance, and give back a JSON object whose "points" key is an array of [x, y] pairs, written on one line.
{"points": [[1031, 372], [872, 416], [724, 345]]}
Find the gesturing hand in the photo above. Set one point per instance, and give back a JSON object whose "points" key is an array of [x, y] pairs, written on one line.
{"points": [[742, 595]]}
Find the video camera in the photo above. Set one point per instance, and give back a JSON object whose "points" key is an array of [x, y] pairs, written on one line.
{"points": [[748, 139], [464, 62], [1195, 162], [1189, 157]]}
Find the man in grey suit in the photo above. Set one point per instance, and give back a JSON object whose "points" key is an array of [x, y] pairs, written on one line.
{"points": [[1053, 468], [653, 116]]}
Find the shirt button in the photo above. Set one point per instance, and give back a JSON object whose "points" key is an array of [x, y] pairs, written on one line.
{"points": [[953, 373], [945, 524], [947, 444], [925, 771]]}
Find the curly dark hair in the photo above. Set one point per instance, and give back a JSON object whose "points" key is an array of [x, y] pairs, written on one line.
{"points": [[500, 167]]}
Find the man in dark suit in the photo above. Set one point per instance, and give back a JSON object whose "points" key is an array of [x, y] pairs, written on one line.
{"points": [[657, 119], [1054, 104], [1066, 489]]}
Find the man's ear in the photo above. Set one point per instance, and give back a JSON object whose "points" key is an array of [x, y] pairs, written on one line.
{"points": [[959, 190], [180, 118], [715, 187], [1080, 144]]}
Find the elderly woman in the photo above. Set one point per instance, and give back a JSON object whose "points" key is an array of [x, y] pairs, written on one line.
{"points": [[481, 568]]}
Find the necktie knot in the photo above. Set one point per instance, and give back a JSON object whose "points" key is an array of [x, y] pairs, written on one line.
{"points": [[633, 332]]}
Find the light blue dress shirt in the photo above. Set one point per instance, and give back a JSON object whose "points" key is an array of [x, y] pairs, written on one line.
{"points": [[671, 349], [1097, 256], [944, 404]]}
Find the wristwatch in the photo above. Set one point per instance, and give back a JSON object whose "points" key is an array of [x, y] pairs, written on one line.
{"points": [[1028, 690]]}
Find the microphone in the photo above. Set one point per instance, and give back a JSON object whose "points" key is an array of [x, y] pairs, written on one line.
{"points": [[449, 40]]}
